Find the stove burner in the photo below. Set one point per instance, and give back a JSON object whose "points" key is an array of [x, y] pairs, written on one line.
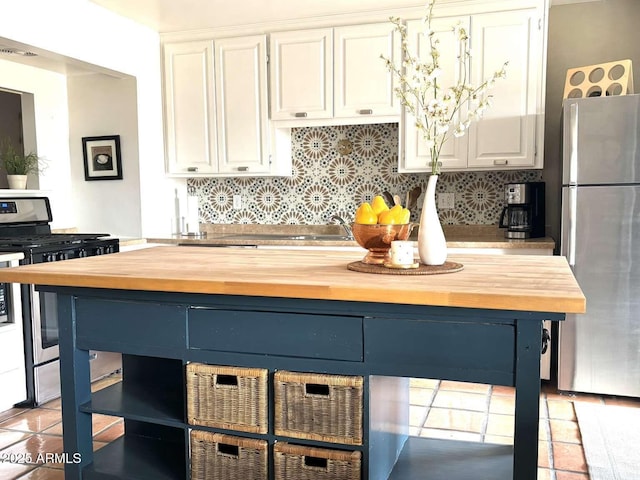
{"points": [[50, 239]]}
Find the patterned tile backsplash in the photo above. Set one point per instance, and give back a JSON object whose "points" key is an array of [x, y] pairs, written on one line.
{"points": [[326, 182]]}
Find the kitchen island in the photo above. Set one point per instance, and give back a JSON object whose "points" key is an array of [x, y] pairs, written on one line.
{"points": [[164, 307]]}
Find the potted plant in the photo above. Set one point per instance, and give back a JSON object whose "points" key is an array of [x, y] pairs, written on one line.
{"points": [[17, 165]]}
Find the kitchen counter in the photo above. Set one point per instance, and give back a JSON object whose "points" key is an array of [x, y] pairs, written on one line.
{"points": [[301, 311], [458, 237], [489, 281]]}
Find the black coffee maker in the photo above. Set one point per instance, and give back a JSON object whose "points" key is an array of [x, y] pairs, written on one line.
{"points": [[523, 215]]}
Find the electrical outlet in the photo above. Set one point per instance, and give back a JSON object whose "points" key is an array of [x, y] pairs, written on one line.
{"points": [[446, 200], [237, 202]]}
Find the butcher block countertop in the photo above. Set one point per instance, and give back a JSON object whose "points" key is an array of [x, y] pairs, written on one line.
{"points": [[503, 282]]}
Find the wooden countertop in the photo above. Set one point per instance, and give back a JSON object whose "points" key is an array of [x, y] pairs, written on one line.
{"points": [[504, 282]]}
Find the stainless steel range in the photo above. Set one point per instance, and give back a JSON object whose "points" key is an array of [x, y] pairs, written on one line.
{"points": [[24, 227]]}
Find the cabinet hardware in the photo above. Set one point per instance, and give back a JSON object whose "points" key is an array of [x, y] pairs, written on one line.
{"points": [[243, 169], [546, 338], [431, 164], [192, 169], [366, 111], [300, 114], [501, 162]]}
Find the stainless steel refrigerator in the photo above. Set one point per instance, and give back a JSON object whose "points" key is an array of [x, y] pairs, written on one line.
{"points": [[599, 352]]}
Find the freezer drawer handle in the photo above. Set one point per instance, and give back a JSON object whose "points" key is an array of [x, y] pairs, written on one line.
{"points": [[545, 340]]}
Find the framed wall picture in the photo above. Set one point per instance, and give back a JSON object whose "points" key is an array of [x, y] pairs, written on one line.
{"points": [[102, 160]]}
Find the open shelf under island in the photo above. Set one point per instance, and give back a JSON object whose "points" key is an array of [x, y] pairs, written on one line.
{"points": [[302, 311]]}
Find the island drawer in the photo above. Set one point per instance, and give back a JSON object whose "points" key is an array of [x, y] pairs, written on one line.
{"points": [[232, 398], [442, 347], [215, 456], [314, 406], [337, 337], [303, 462], [129, 327]]}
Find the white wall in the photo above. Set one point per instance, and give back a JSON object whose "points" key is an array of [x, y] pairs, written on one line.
{"points": [[52, 131], [101, 105], [82, 31]]}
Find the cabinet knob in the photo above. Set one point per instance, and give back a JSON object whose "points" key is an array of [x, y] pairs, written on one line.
{"points": [[243, 169], [501, 162], [366, 111], [300, 114], [192, 169]]}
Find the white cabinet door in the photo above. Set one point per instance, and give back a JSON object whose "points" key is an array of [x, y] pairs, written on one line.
{"points": [[506, 134], [189, 108], [301, 68], [241, 107], [416, 156], [363, 85]]}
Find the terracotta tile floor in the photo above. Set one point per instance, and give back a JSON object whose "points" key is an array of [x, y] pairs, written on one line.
{"points": [[439, 409], [29, 438], [463, 411]]}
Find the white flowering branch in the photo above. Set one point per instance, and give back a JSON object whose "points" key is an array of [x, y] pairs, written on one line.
{"points": [[438, 110]]}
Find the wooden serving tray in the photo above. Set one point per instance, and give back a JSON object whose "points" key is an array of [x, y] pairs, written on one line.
{"points": [[422, 269]]}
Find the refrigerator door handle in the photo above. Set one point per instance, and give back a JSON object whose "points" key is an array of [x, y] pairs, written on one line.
{"points": [[573, 144], [570, 219]]}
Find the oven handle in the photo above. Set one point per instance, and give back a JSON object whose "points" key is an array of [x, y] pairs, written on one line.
{"points": [[39, 354]]}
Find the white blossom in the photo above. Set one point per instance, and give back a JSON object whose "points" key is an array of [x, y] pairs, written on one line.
{"points": [[437, 108]]}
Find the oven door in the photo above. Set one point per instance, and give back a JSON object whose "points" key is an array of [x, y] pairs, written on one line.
{"points": [[44, 325]]}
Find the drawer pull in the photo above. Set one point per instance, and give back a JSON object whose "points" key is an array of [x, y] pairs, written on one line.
{"points": [[243, 169], [366, 111], [501, 162], [226, 449], [300, 114], [315, 462], [227, 380], [192, 169], [316, 389]]}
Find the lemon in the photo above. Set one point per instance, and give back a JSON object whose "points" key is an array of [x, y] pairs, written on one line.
{"points": [[366, 215], [379, 205], [393, 216]]}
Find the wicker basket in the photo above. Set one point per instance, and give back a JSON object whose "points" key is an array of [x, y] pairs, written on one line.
{"points": [[311, 463], [215, 456], [320, 407], [227, 397]]}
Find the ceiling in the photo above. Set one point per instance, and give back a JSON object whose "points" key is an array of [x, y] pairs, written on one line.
{"points": [[167, 16], [174, 16], [183, 15]]}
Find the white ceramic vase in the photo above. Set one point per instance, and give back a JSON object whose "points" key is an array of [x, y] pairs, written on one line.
{"points": [[17, 182], [432, 246]]}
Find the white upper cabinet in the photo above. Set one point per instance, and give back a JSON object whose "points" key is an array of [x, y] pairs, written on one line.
{"points": [[506, 134], [189, 108], [242, 108], [216, 110], [332, 76], [301, 74], [453, 155], [363, 85], [510, 133]]}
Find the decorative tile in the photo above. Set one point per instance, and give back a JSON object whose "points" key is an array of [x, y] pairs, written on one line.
{"points": [[325, 183]]}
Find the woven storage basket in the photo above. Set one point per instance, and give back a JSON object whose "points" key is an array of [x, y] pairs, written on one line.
{"points": [[311, 463], [215, 456], [319, 407], [227, 397]]}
